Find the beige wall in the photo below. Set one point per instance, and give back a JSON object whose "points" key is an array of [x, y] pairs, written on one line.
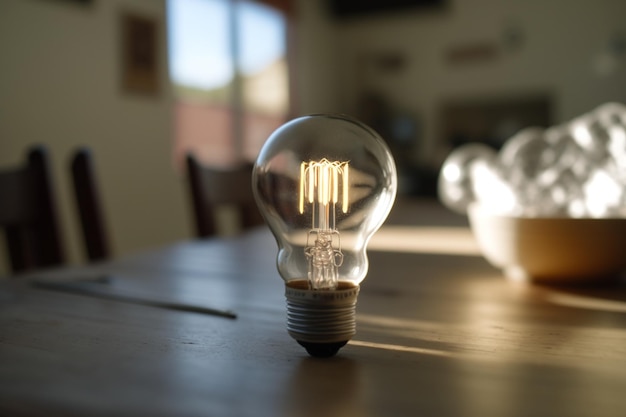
{"points": [[60, 85], [314, 70], [562, 41]]}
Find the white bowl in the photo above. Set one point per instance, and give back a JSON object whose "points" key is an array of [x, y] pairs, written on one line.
{"points": [[556, 249]]}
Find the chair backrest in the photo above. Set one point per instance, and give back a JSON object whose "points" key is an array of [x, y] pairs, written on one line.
{"points": [[28, 214], [211, 188], [88, 205]]}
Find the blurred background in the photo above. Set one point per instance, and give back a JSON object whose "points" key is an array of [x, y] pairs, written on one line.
{"points": [[143, 82]]}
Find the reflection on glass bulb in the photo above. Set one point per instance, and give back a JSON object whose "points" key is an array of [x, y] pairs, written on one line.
{"points": [[324, 184]]}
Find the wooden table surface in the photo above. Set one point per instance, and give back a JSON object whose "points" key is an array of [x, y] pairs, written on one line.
{"points": [[439, 333]]}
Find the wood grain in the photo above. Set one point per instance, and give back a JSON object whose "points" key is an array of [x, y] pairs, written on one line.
{"points": [[438, 335]]}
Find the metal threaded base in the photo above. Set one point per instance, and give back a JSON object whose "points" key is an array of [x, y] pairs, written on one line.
{"points": [[321, 320]]}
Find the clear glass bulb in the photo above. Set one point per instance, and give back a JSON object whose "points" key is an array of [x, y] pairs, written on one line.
{"points": [[325, 184]]}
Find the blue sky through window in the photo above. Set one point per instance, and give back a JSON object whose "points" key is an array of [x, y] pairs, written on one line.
{"points": [[200, 53], [261, 35]]}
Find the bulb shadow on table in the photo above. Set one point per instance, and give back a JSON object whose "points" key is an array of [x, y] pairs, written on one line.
{"points": [[365, 380], [313, 388]]}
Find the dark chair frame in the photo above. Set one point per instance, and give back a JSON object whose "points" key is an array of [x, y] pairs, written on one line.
{"points": [[89, 206], [211, 187], [29, 216]]}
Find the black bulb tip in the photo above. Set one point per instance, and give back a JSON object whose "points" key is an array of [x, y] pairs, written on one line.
{"points": [[322, 350]]}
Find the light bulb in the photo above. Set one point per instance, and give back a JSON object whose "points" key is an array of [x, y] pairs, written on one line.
{"points": [[324, 184]]}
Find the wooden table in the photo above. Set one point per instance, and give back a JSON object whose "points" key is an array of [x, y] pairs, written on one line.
{"points": [[440, 333]]}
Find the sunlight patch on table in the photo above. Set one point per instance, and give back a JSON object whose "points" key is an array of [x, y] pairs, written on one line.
{"points": [[433, 240], [588, 303], [399, 348]]}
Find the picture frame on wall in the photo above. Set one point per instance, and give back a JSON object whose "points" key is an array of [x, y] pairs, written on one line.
{"points": [[139, 53]]}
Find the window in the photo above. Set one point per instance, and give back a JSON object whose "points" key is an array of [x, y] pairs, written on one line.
{"points": [[229, 72]]}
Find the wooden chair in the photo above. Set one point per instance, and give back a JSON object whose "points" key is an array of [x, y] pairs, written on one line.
{"points": [[28, 214], [211, 188], [88, 205]]}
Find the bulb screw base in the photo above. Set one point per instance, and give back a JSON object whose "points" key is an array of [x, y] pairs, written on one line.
{"points": [[322, 321]]}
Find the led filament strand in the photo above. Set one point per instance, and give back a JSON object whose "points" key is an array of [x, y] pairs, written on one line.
{"points": [[321, 184]]}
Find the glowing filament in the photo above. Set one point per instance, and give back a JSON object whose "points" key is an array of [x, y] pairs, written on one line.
{"points": [[322, 182]]}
